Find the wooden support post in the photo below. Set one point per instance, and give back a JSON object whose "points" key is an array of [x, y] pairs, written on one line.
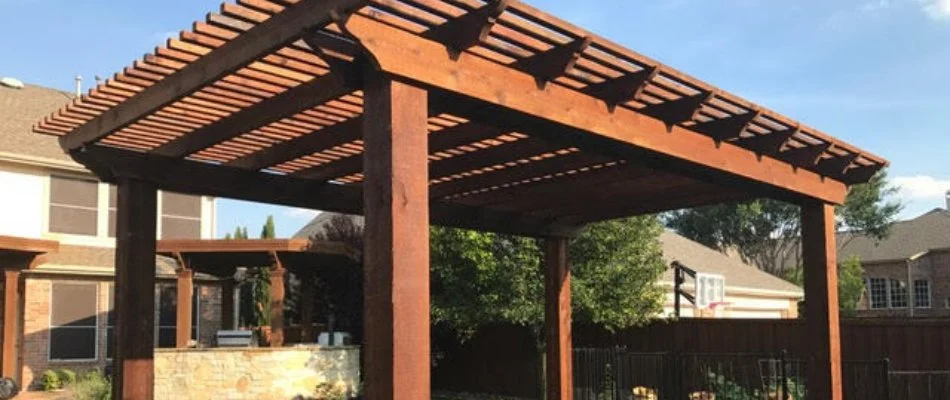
{"points": [[227, 305], [277, 294], [396, 247], [183, 313], [307, 294], [821, 300], [557, 320], [134, 285], [11, 323]]}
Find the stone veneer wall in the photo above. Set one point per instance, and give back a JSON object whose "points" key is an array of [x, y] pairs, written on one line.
{"points": [[254, 373]]}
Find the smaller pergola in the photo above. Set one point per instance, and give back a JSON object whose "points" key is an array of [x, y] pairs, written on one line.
{"points": [[17, 254], [222, 258]]}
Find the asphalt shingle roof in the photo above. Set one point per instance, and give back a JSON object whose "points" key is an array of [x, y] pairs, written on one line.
{"points": [[907, 238], [19, 109]]}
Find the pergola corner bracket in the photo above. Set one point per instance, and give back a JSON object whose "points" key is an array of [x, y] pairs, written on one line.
{"points": [[622, 89], [726, 128], [673, 112]]}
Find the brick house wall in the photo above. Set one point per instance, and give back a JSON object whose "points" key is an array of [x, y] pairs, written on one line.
{"points": [[34, 356], [934, 266]]}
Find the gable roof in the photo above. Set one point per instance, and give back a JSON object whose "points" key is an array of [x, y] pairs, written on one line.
{"points": [[675, 248], [19, 110], [907, 238], [737, 274]]}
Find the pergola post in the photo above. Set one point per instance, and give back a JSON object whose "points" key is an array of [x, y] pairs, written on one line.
{"points": [[396, 247], [307, 294], [11, 323], [227, 304], [821, 300], [183, 313], [557, 320], [277, 294], [134, 285]]}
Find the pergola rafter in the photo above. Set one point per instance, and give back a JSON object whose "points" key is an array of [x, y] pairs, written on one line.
{"points": [[480, 114]]}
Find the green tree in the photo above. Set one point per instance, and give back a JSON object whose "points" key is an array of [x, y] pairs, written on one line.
{"points": [[255, 303], [268, 230], [850, 284], [766, 232], [480, 278]]}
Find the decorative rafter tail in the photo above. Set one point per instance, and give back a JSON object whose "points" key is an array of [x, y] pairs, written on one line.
{"points": [[726, 128], [548, 65], [467, 30], [835, 167], [622, 89], [677, 111], [805, 157], [861, 174], [770, 144]]}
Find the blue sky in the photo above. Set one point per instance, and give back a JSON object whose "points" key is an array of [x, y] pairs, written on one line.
{"points": [[873, 72]]}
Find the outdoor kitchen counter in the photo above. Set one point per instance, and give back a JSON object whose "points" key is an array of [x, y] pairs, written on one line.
{"points": [[254, 372]]}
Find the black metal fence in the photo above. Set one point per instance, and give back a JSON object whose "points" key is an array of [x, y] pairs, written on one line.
{"points": [[617, 374]]}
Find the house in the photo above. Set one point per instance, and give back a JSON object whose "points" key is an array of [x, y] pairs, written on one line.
{"points": [[747, 292], [65, 298], [907, 273]]}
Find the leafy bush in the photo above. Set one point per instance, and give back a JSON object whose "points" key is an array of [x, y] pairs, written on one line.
{"points": [[329, 391], [51, 381], [66, 376], [92, 386], [726, 389]]}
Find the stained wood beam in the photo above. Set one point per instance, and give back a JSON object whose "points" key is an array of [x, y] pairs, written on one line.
{"points": [[557, 320], [396, 245], [562, 113], [536, 169], [185, 288], [673, 112], [488, 157], [276, 306], [548, 65], [274, 33], [11, 324], [348, 72], [623, 89], [136, 218], [768, 144], [821, 290], [467, 30], [286, 104], [326, 138], [192, 177], [726, 128]]}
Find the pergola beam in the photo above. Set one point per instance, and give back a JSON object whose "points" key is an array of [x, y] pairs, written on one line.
{"points": [[726, 128], [673, 112], [219, 181], [550, 64], [557, 111], [286, 104], [467, 30], [623, 89], [263, 38]]}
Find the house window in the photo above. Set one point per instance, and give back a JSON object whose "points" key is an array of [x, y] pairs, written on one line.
{"points": [[921, 293], [73, 320], [113, 207], [877, 287], [73, 206], [168, 315], [898, 294], [181, 216]]}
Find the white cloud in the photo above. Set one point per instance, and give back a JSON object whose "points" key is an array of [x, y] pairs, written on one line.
{"points": [[937, 9], [922, 187], [301, 213]]}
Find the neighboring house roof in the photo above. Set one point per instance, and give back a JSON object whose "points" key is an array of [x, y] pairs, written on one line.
{"points": [[675, 247], [907, 238], [19, 110], [737, 274]]}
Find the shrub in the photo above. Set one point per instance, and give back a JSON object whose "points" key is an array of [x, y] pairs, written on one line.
{"points": [[51, 381], [329, 391], [66, 376], [92, 386]]}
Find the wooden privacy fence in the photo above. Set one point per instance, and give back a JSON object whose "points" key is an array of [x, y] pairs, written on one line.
{"points": [[503, 359]]}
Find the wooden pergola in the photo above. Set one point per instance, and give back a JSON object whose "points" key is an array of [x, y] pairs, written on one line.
{"points": [[17, 254], [484, 115], [222, 258]]}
